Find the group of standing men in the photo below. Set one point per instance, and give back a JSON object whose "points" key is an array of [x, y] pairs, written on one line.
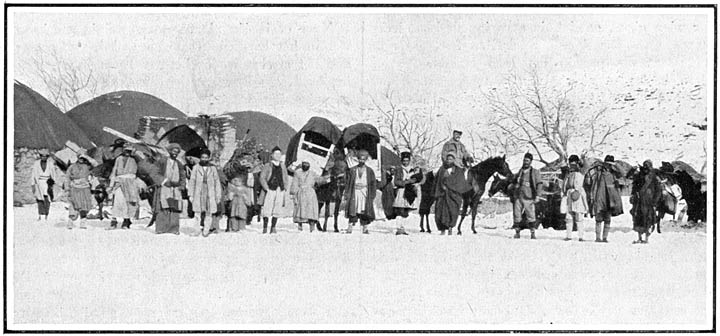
{"points": [[595, 193]]}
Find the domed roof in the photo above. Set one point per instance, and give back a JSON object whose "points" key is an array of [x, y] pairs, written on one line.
{"points": [[40, 124], [121, 111], [266, 129]]}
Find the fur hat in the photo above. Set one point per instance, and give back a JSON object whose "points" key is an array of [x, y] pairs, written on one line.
{"points": [[576, 159], [276, 148], [206, 151], [457, 131], [405, 155], [528, 156], [609, 159]]}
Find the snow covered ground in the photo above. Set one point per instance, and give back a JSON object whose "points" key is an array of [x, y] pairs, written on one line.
{"points": [[133, 276]]}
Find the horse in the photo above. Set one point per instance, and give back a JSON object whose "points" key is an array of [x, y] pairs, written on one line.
{"points": [[478, 177], [332, 192]]}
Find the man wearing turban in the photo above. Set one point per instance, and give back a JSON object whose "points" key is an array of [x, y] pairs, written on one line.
{"points": [[126, 196], [167, 200], [44, 174], [360, 191], [450, 184]]}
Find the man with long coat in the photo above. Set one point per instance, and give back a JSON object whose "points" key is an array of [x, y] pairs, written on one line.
{"points": [[644, 202], [572, 188], [126, 197], [44, 174], [457, 148], [360, 191], [306, 202], [604, 199], [77, 184], [450, 184], [167, 200], [205, 192]]}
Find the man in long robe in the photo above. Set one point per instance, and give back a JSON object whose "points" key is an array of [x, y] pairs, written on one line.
{"points": [[78, 185], [450, 184], [360, 192], [205, 192], [644, 202], [528, 186], [167, 200], [457, 148], [576, 208], [603, 196], [306, 202], [126, 197], [44, 174], [404, 180]]}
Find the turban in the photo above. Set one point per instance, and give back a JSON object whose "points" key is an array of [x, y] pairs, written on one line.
{"points": [[172, 146], [451, 153], [362, 153]]}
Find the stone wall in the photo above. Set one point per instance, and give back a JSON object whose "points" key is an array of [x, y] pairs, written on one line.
{"points": [[22, 192]]}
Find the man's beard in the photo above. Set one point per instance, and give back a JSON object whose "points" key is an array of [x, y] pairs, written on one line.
{"points": [[204, 163]]}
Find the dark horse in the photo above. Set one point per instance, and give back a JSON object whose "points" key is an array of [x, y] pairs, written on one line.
{"points": [[478, 177], [332, 192]]}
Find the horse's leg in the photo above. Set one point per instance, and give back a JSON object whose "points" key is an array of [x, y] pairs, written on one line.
{"points": [[427, 223], [473, 214], [422, 229], [660, 216]]}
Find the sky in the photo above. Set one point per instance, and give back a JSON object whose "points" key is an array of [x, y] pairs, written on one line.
{"points": [[289, 64]]}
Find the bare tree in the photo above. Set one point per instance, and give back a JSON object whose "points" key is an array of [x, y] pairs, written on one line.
{"points": [[408, 126], [68, 84], [529, 112]]}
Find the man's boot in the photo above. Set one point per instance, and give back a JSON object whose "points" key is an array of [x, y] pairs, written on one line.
{"points": [[517, 234], [126, 223], [83, 222], [365, 229], [70, 224], [265, 224], [532, 234], [606, 231], [113, 224], [272, 225], [598, 232]]}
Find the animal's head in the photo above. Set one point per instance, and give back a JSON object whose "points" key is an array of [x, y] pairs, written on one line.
{"points": [[498, 165], [499, 184]]}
